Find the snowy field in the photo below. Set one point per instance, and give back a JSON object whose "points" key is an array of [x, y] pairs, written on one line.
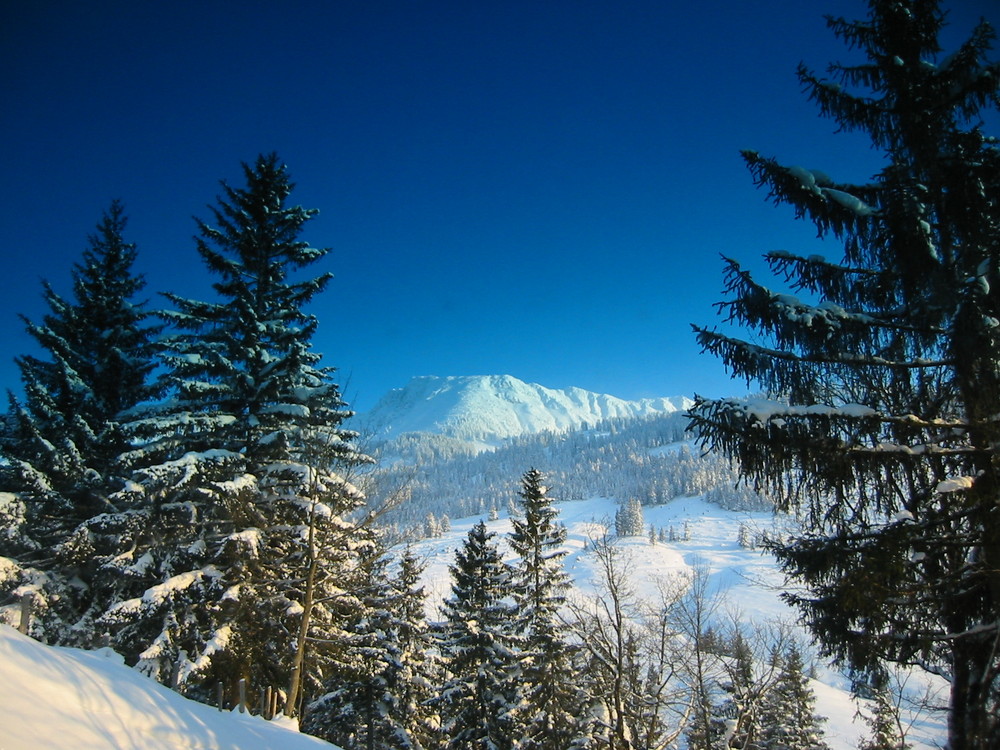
{"points": [[747, 579], [65, 698]]}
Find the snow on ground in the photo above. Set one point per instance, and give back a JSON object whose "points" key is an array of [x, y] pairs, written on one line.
{"points": [[59, 698], [748, 579], [66, 698]]}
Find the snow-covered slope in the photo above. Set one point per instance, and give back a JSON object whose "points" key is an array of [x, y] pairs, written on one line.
{"points": [[59, 698], [747, 579], [490, 408]]}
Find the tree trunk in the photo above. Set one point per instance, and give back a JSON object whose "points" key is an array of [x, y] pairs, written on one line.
{"points": [[295, 681], [972, 724]]}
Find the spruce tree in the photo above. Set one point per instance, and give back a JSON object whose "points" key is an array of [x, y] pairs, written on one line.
{"points": [[244, 563], [553, 702], [787, 718], [61, 440], [881, 378], [379, 690], [629, 520], [479, 701], [883, 722]]}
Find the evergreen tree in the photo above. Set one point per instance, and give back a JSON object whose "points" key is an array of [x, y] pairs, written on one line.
{"points": [[629, 520], [243, 563], [883, 723], [883, 383], [735, 719], [480, 699], [412, 666], [58, 449], [379, 693], [787, 720], [553, 703]]}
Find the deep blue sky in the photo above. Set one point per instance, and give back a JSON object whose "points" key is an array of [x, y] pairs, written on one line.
{"points": [[539, 188]]}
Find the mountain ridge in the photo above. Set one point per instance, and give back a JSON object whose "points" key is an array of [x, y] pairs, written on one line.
{"points": [[491, 408]]}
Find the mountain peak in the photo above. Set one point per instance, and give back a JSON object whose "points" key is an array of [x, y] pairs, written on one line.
{"points": [[492, 408]]}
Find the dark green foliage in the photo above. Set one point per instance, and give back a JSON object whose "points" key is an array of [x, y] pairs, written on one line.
{"points": [[240, 475], [379, 690], [479, 702], [552, 716], [787, 719], [61, 440], [882, 428]]}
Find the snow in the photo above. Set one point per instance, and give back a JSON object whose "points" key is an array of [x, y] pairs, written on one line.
{"points": [[955, 484], [156, 595], [748, 579], [848, 201], [491, 408], [57, 698], [763, 410]]}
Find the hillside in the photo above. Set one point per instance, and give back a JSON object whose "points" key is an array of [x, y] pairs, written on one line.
{"points": [[746, 579], [91, 701], [487, 409], [60, 698]]}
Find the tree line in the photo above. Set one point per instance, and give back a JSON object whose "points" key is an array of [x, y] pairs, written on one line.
{"points": [[622, 458]]}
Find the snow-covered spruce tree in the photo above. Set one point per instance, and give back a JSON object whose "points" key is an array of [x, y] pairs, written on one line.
{"points": [[629, 520], [883, 427], [412, 666], [480, 698], [884, 730], [787, 717], [553, 703], [63, 437], [379, 691], [243, 563]]}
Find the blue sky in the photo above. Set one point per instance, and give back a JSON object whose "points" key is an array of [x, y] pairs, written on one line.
{"points": [[541, 189]]}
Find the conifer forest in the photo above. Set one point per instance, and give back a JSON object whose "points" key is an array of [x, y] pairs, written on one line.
{"points": [[182, 482]]}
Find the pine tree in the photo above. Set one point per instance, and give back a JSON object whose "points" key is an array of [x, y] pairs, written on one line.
{"points": [[61, 440], [883, 723], [788, 720], [881, 426], [378, 694], [553, 702], [480, 700], [244, 554], [629, 520]]}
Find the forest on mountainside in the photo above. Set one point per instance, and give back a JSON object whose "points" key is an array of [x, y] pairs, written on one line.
{"points": [[650, 459]]}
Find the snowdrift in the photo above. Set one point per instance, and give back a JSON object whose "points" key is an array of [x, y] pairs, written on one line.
{"points": [[62, 698]]}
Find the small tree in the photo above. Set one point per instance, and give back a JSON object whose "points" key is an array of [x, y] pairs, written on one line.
{"points": [[883, 724], [788, 720], [629, 520], [379, 691], [632, 659]]}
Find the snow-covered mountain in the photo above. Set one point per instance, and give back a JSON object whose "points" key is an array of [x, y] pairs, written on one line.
{"points": [[491, 408]]}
